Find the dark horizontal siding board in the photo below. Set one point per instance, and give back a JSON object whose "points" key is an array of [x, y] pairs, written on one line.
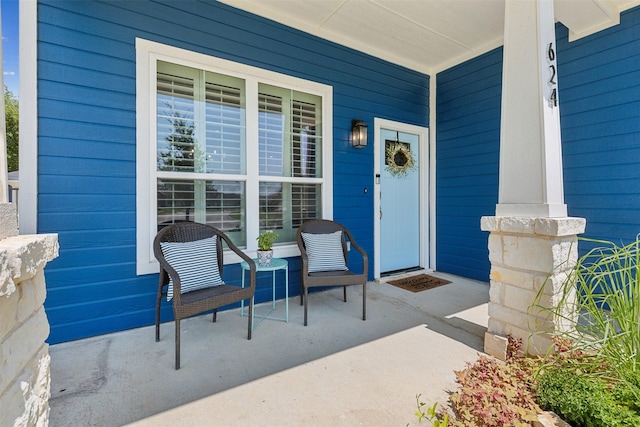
{"points": [[463, 250], [582, 179], [76, 312], [602, 143], [87, 148], [85, 167], [626, 215], [596, 187], [93, 185], [614, 200], [475, 122], [599, 92], [71, 258], [114, 277], [76, 112], [84, 78], [476, 143], [395, 110], [90, 325], [87, 136], [70, 92], [467, 153], [486, 88], [617, 158], [620, 112], [626, 95], [598, 130], [85, 131], [85, 60], [87, 220], [602, 83], [90, 239], [60, 203]]}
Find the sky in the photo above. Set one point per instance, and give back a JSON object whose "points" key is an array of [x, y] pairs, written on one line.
{"points": [[9, 10]]}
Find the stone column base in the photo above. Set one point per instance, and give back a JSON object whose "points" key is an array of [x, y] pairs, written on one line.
{"points": [[530, 259]]}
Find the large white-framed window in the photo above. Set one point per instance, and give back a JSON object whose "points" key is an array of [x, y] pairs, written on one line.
{"points": [[227, 144]]}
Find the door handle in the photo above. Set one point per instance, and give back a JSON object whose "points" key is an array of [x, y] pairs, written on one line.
{"points": [[380, 213]]}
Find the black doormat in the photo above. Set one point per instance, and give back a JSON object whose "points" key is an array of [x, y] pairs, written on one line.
{"points": [[418, 283]]}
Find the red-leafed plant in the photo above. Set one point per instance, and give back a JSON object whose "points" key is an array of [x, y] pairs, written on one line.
{"points": [[492, 393]]}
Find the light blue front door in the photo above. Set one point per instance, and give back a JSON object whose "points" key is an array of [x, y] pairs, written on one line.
{"points": [[399, 202]]}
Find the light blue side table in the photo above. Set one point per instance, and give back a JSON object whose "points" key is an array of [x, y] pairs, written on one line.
{"points": [[276, 264]]}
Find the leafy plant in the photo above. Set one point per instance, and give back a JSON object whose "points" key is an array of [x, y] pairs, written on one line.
{"points": [[431, 415], [11, 105], [266, 239], [593, 376], [582, 400], [494, 393], [600, 305]]}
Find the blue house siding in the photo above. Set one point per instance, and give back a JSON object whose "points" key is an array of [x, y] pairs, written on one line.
{"points": [[599, 93], [599, 89], [87, 139], [467, 156]]}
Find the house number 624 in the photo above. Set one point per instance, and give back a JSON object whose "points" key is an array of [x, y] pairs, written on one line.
{"points": [[551, 57]]}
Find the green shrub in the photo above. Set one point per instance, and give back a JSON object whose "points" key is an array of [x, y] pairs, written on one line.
{"points": [[600, 304], [582, 400]]}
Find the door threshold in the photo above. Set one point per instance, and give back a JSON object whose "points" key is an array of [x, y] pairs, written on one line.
{"points": [[402, 273]]}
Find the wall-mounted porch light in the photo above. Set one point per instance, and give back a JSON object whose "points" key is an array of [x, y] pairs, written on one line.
{"points": [[358, 134]]}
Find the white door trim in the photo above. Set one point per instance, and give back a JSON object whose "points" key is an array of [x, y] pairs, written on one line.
{"points": [[424, 168]]}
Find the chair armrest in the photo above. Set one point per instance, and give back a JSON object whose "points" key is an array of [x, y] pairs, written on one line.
{"points": [[245, 257], [363, 253]]}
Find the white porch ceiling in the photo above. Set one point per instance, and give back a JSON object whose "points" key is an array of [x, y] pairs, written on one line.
{"points": [[424, 35]]}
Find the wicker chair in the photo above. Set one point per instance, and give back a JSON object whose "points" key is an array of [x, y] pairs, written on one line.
{"points": [[206, 298], [330, 274]]}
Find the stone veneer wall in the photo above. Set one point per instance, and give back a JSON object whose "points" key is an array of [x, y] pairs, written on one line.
{"points": [[527, 254], [24, 355]]}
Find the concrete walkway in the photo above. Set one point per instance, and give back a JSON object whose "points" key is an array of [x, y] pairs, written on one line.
{"points": [[338, 371]]}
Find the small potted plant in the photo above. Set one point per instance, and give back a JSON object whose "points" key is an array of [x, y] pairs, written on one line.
{"points": [[265, 245]]}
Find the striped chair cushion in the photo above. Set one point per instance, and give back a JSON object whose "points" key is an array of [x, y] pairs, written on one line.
{"points": [[324, 251], [195, 262]]}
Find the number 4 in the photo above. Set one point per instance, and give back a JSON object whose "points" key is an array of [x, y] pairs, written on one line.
{"points": [[553, 99]]}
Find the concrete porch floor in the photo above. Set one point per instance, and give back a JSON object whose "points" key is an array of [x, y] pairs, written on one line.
{"points": [[338, 371]]}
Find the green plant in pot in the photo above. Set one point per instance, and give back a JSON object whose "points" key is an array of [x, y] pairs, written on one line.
{"points": [[265, 247]]}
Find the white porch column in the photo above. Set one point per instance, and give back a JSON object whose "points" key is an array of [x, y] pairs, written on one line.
{"points": [[531, 235], [530, 151]]}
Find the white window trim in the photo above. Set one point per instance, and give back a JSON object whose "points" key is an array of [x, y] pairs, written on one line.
{"points": [[147, 55]]}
